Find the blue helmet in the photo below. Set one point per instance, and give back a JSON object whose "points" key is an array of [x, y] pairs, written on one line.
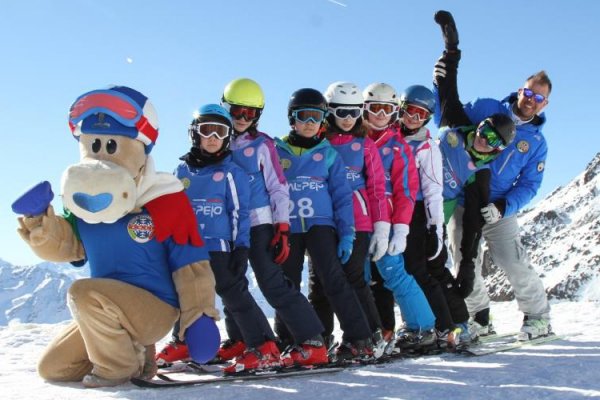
{"points": [[214, 110], [418, 95]]}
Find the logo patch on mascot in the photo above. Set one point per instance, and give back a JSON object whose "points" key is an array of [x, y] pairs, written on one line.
{"points": [[523, 146], [141, 228], [452, 139]]}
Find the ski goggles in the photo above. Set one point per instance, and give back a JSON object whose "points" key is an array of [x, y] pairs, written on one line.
{"points": [[346, 112], [119, 106], [247, 113], [487, 132], [306, 115], [416, 113], [538, 98], [386, 108], [208, 129]]}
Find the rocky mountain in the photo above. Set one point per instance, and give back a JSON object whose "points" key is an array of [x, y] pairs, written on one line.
{"points": [[562, 236]]}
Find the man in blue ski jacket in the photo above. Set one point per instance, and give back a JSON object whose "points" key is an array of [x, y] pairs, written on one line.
{"points": [[516, 176]]}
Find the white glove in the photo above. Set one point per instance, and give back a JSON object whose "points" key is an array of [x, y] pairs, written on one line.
{"points": [[439, 231], [379, 240], [398, 241], [490, 214]]}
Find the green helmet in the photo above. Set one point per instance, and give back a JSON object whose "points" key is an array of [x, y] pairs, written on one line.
{"points": [[244, 92]]}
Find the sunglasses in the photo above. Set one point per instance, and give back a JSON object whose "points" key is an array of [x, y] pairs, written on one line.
{"points": [[346, 112], [118, 105], [416, 113], [539, 98], [208, 129], [306, 115], [487, 132], [247, 113], [386, 108]]}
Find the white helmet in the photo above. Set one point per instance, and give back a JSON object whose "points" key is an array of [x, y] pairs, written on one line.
{"points": [[343, 93], [380, 93]]}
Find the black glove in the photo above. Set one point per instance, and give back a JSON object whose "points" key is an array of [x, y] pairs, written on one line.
{"points": [[446, 22], [239, 256], [432, 242], [465, 278]]}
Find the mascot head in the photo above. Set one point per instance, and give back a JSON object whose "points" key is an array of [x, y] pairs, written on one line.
{"points": [[116, 129]]}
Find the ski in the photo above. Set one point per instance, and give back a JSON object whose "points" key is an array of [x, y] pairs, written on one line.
{"points": [[165, 381], [505, 343]]}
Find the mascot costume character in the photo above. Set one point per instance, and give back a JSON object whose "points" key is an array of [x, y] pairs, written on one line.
{"points": [[136, 229]]}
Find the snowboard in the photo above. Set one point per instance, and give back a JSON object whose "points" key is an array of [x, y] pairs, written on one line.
{"points": [[505, 342]]}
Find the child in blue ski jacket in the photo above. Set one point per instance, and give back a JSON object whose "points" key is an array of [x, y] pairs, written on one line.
{"points": [[322, 221], [219, 192]]}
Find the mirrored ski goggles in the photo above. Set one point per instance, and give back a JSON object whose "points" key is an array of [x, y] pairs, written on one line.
{"points": [[247, 113], [306, 115], [416, 113], [208, 129], [118, 105], [346, 112], [539, 98], [386, 108], [487, 132]]}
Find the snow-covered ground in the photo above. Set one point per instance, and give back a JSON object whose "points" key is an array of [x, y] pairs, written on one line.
{"points": [[565, 369]]}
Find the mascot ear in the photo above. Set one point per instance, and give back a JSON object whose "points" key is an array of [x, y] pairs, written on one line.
{"points": [[203, 339]]}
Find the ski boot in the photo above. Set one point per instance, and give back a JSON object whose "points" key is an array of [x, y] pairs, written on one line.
{"points": [[415, 340], [534, 327], [310, 352], [230, 349], [264, 357], [172, 352], [383, 343], [356, 351]]}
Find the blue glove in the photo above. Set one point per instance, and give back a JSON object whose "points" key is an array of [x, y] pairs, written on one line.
{"points": [[344, 250], [34, 201]]}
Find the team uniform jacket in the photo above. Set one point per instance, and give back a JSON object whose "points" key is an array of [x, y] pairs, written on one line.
{"points": [[518, 171], [128, 251], [319, 191], [402, 180], [220, 195], [365, 174], [269, 194]]}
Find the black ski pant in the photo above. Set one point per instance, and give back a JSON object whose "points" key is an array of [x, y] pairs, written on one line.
{"points": [[354, 271], [437, 269], [415, 261], [290, 304], [321, 243]]}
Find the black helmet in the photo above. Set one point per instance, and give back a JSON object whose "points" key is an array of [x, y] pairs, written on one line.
{"points": [[306, 98], [503, 125]]}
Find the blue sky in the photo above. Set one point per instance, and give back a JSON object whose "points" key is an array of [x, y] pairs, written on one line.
{"points": [[182, 53]]}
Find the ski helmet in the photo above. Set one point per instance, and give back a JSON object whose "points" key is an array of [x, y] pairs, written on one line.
{"points": [[306, 98], [211, 113], [380, 93], [418, 95], [118, 110], [503, 125], [343, 94], [244, 92]]}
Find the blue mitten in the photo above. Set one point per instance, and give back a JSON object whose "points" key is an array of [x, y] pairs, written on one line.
{"points": [[34, 201], [344, 250]]}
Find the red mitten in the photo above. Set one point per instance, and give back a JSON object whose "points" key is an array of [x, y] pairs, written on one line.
{"points": [[280, 242], [174, 216]]}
